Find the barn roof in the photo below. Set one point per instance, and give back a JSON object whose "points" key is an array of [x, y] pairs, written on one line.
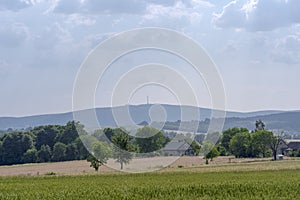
{"points": [[294, 145], [177, 146]]}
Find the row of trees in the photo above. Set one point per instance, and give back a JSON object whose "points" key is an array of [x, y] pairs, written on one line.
{"points": [[244, 144], [43, 144], [71, 142], [55, 143]]}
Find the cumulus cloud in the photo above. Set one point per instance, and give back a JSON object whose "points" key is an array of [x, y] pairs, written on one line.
{"points": [[287, 50], [68, 6], [177, 11], [258, 15], [115, 6], [98, 7], [230, 17], [14, 5], [13, 35], [77, 19], [177, 16], [52, 36]]}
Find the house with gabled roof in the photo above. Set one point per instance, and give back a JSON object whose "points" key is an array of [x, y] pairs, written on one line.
{"points": [[292, 145], [178, 148]]}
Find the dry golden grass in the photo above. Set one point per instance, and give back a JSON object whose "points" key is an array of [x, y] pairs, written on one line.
{"points": [[193, 164]]}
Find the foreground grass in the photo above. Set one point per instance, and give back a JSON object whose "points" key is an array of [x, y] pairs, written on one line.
{"points": [[268, 184]]}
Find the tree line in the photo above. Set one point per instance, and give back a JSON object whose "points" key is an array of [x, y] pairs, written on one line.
{"points": [[49, 143], [54, 143], [242, 143]]}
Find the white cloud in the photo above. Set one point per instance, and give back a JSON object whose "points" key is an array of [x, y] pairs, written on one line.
{"points": [[89, 42], [258, 15], [13, 5], [230, 17], [68, 6], [13, 35], [176, 17], [52, 36], [100, 7], [202, 3], [287, 50], [117, 7], [77, 19]]}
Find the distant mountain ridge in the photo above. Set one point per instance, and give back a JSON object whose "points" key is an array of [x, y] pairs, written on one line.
{"points": [[140, 113], [286, 121]]}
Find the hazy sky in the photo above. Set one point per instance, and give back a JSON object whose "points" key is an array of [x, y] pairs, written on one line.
{"points": [[255, 45]]}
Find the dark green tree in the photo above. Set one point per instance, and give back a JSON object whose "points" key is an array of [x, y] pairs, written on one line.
{"points": [[95, 163], [222, 150], [83, 153], [261, 143], [259, 125], [59, 152], [206, 149], [44, 154], [240, 145], [46, 136], [71, 132], [30, 156], [102, 151], [228, 135], [195, 147], [1, 160], [123, 147], [213, 153], [27, 142], [109, 132], [149, 139], [71, 152], [14, 146]]}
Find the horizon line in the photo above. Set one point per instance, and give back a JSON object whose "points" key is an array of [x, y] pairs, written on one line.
{"points": [[150, 104]]}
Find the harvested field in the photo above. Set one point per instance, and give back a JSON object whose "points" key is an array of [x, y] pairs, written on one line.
{"points": [[181, 164]]}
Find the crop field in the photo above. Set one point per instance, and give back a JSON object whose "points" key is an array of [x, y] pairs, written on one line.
{"points": [[251, 183], [193, 163]]}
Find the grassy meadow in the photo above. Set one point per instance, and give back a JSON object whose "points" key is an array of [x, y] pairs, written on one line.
{"points": [[244, 182]]}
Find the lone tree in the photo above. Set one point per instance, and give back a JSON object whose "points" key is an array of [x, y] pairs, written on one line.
{"points": [[275, 142], [260, 125], [123, 147], [210, 151], [195, 147], [101, 151], [95, 163]]}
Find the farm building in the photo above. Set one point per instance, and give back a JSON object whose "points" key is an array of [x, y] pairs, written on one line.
{"points": [[178, 148], [292, 145]]}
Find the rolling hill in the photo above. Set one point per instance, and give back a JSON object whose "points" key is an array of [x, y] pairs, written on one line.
{"points": [[289, 121]]}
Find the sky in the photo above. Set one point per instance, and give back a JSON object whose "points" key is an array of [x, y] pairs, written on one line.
{"points": [[254, 44]]}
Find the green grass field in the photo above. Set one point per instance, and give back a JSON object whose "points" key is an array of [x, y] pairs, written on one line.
{"points": [[268, 184]]}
